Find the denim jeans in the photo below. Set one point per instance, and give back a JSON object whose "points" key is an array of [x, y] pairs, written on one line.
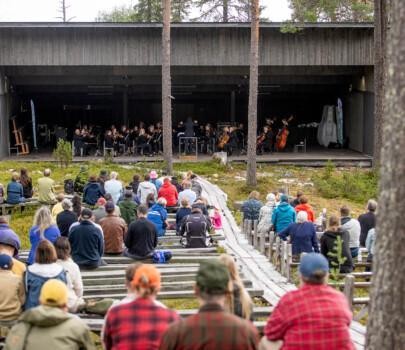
{"points": [[354, 251]]}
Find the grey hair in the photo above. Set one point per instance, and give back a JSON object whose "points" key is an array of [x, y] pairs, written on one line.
{"points": [[47, 172], [66, 204], [162, 201], [114, 175], [372, 205], [302, 217]]}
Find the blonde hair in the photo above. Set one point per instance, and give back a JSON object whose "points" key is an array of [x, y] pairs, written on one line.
{"points": [[43, 219], [235, 280], [254, 195]]}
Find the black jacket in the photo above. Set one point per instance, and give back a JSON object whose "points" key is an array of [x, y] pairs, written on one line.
{"points": [[92, 192], [195, 228], [64, 220], [328, 240], [367, 222], [141, 239], [87, 244]]}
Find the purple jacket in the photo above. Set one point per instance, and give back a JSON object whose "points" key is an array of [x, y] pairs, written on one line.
{"points": [[8, 237]]}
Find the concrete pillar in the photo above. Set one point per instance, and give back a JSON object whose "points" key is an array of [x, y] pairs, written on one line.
{"points": [[125, 107], [4, 116], [233, 106]]}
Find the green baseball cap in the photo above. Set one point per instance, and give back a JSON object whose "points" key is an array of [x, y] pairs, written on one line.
{"points": [[212, 277]]}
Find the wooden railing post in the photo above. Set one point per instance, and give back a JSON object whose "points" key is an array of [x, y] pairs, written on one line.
{"points": [[348, 290], [271, 241], [276, 259], [244, 228], [255, 241], [288, 262], [283, 258], [262, 242], [250, 224]]}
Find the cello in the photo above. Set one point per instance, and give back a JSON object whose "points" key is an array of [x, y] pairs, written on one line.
{"points": [[282, 136]]}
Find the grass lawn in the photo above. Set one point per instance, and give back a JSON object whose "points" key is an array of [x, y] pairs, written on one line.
{"points": [[327, 187]]}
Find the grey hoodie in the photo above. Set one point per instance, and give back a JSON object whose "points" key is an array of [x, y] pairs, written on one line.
{"points": [[144, 188], [353, 227]]}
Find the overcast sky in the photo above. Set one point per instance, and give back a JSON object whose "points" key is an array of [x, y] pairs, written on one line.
{"points": [[87, 10]]}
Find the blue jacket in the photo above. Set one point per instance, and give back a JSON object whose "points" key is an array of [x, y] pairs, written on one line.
{"points": [[303, 237], [92, 192], [251, 209], [157, 183], [87, 244], [15, 193], [51, 234], [9, 237], [283, 215], [158, 215], [33, 284], [180, 214]]}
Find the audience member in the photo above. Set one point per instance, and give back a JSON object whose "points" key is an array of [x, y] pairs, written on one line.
{"points": [[168, 192], [370, 242], [57, 208], [187, 193], [304, 206], [296, 200], [102, 178], [195, 227], [26, 182], [10, 245], [114, 187], [158, 216], [128, 207], [315, 316], [283, 215], [202, 204], [46, 193], [216, 219], [66, 218], [87, 242], [43, 228], [302, 236], [92, 191], [238, 300], [141, 239], [367, 221], [329, 245], [135, 183], [154, 179], [99, 212], [12, 293], [145, 188], [44, 268], [176, 184], [114, 229], [77, 206], [109, 198], [2, 194], [150, 200], [251, 207], [74, 278], [265, 214], [217, 328], [15, 192], [183, 211], [141, 323], [353, 227], [50, 326], [195, 185]]}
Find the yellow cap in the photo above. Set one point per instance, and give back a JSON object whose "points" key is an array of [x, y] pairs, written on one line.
{"points": [[54, 293]]}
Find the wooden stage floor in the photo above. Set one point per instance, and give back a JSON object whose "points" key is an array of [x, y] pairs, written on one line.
{"points": [[310, 158]]}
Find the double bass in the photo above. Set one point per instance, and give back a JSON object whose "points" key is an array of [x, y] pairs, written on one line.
{"points": [[282, 136]]}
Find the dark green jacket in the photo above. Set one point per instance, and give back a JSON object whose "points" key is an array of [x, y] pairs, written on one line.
{"points": [[128, 210]]}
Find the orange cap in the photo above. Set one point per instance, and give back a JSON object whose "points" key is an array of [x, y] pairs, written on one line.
{"points": [[146, 276]]}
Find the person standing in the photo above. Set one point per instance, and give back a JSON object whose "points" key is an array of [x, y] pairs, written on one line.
{"points": [[251, 207], [296, 200], [141, 323], [283, 215], [353, 227], [145, 188], [114, 187], [43, 228], [12, 293], [50, 326], [304, 206], [367, 221], [212, 327], [114, 229], [265, 214], [87, 242], [46, 192], [66, 218], [315, 316]]}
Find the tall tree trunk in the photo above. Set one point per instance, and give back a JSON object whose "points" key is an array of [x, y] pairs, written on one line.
{"points": [[166, 89], [253, 86], [386, 321], [225, 17], [380, 73]]}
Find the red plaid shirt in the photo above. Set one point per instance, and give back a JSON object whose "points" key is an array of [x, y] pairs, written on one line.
{"points": [[138, 325], [211, 329], [314, 317]]}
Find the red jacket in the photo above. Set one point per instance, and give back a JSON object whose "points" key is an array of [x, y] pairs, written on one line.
{"points": [[169, 192], [306, 207]]}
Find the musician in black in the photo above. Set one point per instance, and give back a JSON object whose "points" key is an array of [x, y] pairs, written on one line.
{"points": [[143, 142], [265, 140]]}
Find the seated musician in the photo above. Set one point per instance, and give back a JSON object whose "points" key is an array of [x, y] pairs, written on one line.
{"points": [[143, 142], [265, 141], [109, 141], [223, 138], [232, 144]]}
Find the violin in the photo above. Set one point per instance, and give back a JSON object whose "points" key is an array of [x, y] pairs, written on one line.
{"points": [[282, 136]]}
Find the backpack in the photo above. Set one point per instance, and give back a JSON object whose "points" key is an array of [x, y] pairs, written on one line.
{"points": [[161, 256], [68, 186]]}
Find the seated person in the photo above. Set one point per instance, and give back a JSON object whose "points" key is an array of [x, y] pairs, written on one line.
{"points": [[128, 207], [57, 208], [251, 207], [46, 192], [183, 211], [187, 193], [92, 191], [15, 192], [195, 228], [158, 216], [12, 297], [141, 239], [66, 218], [168, 192], [87, 242]]}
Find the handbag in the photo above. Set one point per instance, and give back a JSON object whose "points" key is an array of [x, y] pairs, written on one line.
{"points": [[161, 256]]}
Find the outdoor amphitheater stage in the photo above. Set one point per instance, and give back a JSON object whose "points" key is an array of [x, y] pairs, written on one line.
{"points": [[312, 158]]}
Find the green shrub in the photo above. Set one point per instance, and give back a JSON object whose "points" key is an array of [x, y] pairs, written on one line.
{"points": [[63, 153]]}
